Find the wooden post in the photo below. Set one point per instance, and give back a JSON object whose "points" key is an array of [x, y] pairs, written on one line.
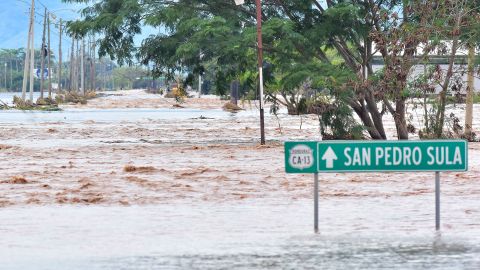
{"points": [[82, 66], [72, 64], [60, 59], [92, 64], [49, 60], [32, 55], [260, 69], [43, 55], [26, 67], [94, 59]]}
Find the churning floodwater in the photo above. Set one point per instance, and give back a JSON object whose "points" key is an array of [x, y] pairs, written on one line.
{"points": [[202, 194], [255, 234], [113, 115], [7, 97]]}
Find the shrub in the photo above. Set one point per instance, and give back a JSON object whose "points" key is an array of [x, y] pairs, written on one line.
{"points": [[336, 120]]}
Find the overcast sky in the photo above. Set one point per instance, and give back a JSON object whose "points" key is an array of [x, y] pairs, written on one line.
{"points": [[14, 18], [14, 15]]}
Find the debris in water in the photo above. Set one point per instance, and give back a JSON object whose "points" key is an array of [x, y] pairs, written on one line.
{"points": [[18, 180], [86, 185], [230, 107], [4, 146], [141, 169], [202, 118]]}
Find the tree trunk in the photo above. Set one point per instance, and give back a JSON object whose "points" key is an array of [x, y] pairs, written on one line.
{"points": [[364, 116], [470, 90], [375, 114], [440, 116], [400, 120]]}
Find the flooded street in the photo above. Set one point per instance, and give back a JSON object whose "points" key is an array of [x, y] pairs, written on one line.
{"points": [[267, 234], [130, 182]]}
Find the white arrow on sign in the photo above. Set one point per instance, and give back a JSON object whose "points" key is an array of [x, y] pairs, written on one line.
{"points": [[329, 156]]}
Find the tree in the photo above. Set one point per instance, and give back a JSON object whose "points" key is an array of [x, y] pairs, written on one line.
{"points": [[300, 37], [125, 77]]}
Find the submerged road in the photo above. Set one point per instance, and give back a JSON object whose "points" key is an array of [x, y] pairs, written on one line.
{"points": [[127, 182]]}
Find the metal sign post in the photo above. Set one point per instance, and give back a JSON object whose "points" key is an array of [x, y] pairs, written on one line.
{"points": [[437, 201], [315, 205], [376, 156]]}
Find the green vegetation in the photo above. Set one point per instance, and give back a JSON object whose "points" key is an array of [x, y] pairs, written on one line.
{"points": [[310, 47], [74, 97], [476, 98], [41, 105], [49, 104]]}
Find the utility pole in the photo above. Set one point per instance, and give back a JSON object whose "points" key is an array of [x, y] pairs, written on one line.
{"points": [[49, 60], [11, 70], [89, 63], [113, 78], [104, 74], [258, 4], [92, 64], [71, 64], [82, 66], [74, 67], [199, 85], [77, 66], [6, 74], [26, 67], [43, 54], [59, 89], [470, 91], [260, 69], [200, 79], [32, 55], [66, 82]]}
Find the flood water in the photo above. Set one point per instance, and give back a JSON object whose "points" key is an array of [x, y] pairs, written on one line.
{"points": [[205, 195], [257, 234], [7, 97], [113, 115]]}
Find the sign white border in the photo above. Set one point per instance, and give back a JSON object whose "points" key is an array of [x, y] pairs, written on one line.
{"points": [[465, 168]]}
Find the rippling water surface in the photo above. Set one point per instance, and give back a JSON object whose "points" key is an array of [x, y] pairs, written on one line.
{"points": [[355, 234], [365, 223], [113, 115]]}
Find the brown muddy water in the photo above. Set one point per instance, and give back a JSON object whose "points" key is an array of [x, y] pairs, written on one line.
{"points": [[129, 182]]}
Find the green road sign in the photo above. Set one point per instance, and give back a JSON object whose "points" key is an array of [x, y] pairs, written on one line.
{"points": [[376, 156]]}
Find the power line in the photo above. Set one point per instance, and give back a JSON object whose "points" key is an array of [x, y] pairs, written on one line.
{"points": [[57, 34], [40, 14]]}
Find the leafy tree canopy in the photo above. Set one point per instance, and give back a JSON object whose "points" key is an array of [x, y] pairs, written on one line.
{"points": [[331, 43]]}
